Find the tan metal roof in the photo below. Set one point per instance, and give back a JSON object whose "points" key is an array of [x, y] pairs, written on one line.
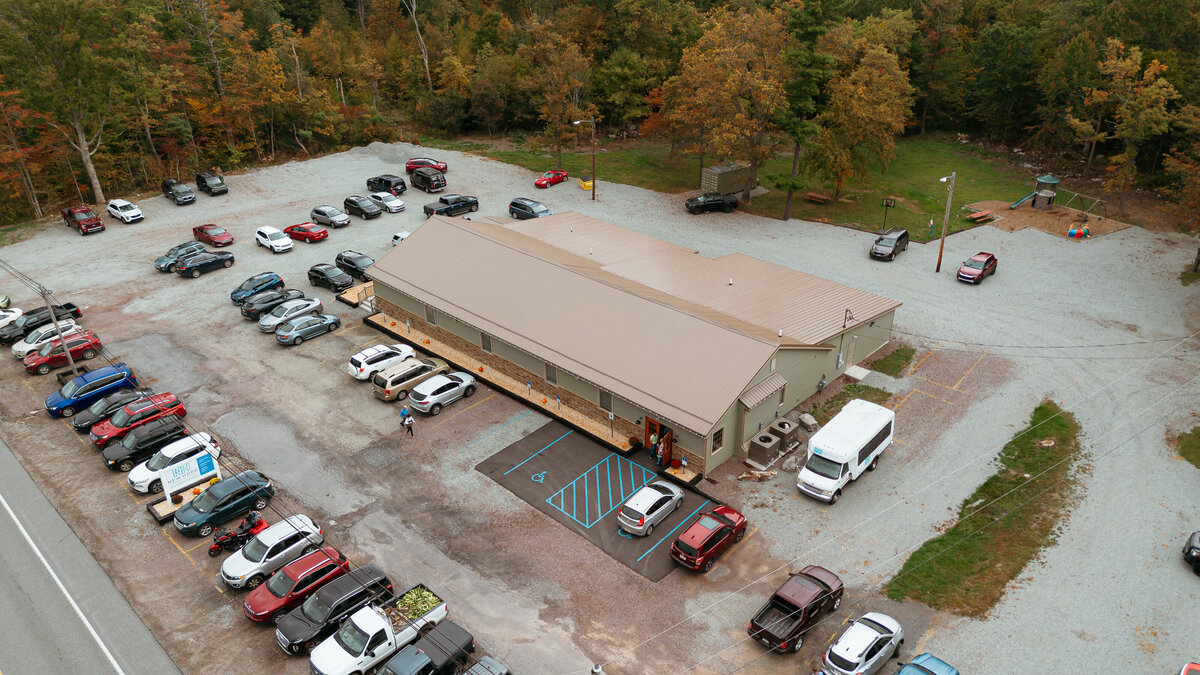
{"points": [[763, 390]]}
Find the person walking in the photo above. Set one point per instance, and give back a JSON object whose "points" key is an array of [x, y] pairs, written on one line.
{"points": [[408, 425]]}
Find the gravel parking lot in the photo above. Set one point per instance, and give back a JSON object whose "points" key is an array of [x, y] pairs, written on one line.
{"points": [[544, 600]]}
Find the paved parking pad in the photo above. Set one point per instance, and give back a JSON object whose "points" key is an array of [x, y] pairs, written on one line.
{"points": [[581, 484]]}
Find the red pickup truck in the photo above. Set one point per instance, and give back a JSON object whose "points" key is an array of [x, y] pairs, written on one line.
{"points": [[83, 219], [795, 607]]}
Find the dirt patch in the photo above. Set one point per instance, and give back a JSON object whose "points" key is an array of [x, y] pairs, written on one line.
{"points": [[1057, 221]]}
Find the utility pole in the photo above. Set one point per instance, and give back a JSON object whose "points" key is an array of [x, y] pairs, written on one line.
{"points": [[45, 293], [592, 122], [945, 219]]}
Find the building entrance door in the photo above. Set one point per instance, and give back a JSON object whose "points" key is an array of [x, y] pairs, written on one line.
{"points": [[664, 434]]}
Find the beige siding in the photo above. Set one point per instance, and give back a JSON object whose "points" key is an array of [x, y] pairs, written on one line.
{"points": [[511, 353], [872, 338], [731, 447], [399, 299], [693, 444]]}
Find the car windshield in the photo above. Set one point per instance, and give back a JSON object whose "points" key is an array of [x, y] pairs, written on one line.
{"points": [[332, 213], [548, 174], [68, 389], [46, 348], [121, 418], [387, 197], [351, 638], [275, 235], [180, 189], [538, 208], [279, 584], [125, 207], [886, 241], [281, 310], [823, 467], [974, 264], [315, 609], [254, 551], [215, 230], [204, 502], [212, 180], [877, 627], [99, 407], [84, 215], [158, 462]]}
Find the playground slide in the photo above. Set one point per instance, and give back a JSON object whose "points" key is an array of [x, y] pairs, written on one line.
{"points": [[1022, 200]]}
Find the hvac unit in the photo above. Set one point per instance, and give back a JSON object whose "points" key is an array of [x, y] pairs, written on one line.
{"points": [[788, 433], [764, 448]]}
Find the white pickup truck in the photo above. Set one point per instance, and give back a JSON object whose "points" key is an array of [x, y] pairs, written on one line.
{"points": [[374, 633]]}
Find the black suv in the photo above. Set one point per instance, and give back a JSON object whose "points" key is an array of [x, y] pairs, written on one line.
{"points": [[103, 409], [260, 303], [141, 443], [889, 243], [437, 652], [354, 263], [361, 206], [175, 190], [427, 179], [211, 183], [712, 201], [387, 183], [324, 274], [1191, 552], [310, 623], [523, 208]]}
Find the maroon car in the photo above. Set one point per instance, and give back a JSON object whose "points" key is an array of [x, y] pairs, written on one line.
{"points": [[83, 345], [706, 539], [135, 415], [83, 219], [977, 267], [418, 162], [288, 587], [306, 232], [212, 234], [796, 607]]}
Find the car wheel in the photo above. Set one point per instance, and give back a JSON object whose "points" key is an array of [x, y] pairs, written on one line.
{"points": [[469, 391], [799, 643], [195, 274], [708, 566], [334, 326], [43, 369], [436, 409], [837, 602], [278, 616], [1196, 567], [308, 549], [403, 394], [895, 652], [740, 535], [171, 268], [297, 341], [258, 243], [834, 498], [68, 412], [260, 504], [254, 582], [205, 530], [512, 214], [649, 529], [89, 354], [474, 208], [728, 209], [228, 263], [156, 486], [874, 463], [125, 466], [314, 283], [82, 233], [692, 211], [892, 256]]}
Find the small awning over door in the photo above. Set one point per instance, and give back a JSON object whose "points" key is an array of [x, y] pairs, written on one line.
{"points": [[762, 391]]}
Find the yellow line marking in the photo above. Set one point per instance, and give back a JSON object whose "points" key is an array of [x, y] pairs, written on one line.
{"points": [[924, 638], [202, 543], [929, 381], [185, 553], [364, 344], [981, 357], [927, 355], [219, 589], [346, 330], [897, 441], [463, 410]]}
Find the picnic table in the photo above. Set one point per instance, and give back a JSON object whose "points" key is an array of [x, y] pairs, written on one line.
{"points": [[981, 216], [817, 197]]}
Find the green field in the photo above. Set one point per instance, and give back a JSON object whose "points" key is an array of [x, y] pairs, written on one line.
{"points": [[1188, 446]]}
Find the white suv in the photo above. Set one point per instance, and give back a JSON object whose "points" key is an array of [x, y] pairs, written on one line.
{"points": [[273, 239], [865, 647], [371, 360], [41, 336]]}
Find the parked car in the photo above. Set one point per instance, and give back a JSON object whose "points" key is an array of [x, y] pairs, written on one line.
{"points": [[124, 211], [865, 646], [82, 219], [550, 178], [263, 281], [178, 192], [259, 303], [428, 179], [400, 236], [354, 263], [141, 443], [195, 265], [309, 624], [1192, 668], [440, 391], [168, 261], [324, 274], [134, 415], [443, 652], [83, 345], [306, 232], [86, 389], [271, 549], [978, 266], [329, 215], [795, 607], [486, 665], [708, 537], [421, 162], [394, 383], [294, 582], [371, 360], [103, 409], [272, 239], [712, 201], [212, 183], [452, 205], [147, 476], [45, 333], [286, 311], [228, 499], [8, 316], [370, 636], [357, 205], [386, 201], [4, 301], [926, 664], [648, 507], [889, 243], [523, 208], [387, 183], [1191, 552], [212, 234], [303, 328], [30, 321]]}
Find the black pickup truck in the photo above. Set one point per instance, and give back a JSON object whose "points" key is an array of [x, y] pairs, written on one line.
{"points": [[452, 205], [36, 318], [712, 201]]}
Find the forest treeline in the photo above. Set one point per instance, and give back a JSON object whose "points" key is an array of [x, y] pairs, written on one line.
{"points": [[111, 96]]}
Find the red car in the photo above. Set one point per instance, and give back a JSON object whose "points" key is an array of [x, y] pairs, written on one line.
{"points": [[135, 415], [288, 587], [83, 345], [83, 219], [418, 162], [706, 539], [977, 267], [307, 232], [213, 235], [550, 178]]}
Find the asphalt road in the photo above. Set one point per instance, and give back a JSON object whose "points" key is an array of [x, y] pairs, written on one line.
{"points": [[43, 631]]}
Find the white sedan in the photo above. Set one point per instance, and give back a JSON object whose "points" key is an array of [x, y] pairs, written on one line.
{"points": [[124, 211], [386, 201], [287, 311]]}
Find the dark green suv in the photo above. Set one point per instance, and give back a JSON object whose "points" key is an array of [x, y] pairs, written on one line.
{"points": [[223, 501]]}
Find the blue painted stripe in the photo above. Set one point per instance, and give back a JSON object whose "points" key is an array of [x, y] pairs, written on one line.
{"points": [[590, 518], [610, 481], [540, 451], [668, 536]]}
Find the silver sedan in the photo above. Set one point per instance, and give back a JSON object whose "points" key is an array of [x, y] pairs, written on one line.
{"points": [[329, 215], [287, 311], [386, 201]]}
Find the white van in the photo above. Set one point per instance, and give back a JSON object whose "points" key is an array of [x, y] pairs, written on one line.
{"points": [[845, 447]]}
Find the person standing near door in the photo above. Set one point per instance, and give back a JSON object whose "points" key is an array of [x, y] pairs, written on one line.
{"points": [[653, 447]]}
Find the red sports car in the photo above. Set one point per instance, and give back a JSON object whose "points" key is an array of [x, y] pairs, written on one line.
{"points": [[135, 415], [977, 267], [550, 178], [83, 345], [212, 235], [418, 162], [288, 587], [306, 232], [706, 539]]}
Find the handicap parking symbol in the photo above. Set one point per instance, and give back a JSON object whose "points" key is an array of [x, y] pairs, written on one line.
{"points": [[538, 477], [623, 533]]}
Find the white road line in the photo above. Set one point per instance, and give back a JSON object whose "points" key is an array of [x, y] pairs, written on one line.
{"points": [[62, 588]]}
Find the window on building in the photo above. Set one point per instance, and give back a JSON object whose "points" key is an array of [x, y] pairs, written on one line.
{"points": [[772, 364], [552, 375], [781, 394], [606, 400], [485, 342], [429, 316], [718, 440]]}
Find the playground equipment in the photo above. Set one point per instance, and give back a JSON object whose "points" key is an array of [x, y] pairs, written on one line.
{"points": [[1078, 233], [1043, 194]]}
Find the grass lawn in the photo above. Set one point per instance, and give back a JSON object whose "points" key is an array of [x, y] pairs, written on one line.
{"points": [[1002, 526], [911, 179], [1187, 276], [825, 411], [1188, 446], [893, 364]]}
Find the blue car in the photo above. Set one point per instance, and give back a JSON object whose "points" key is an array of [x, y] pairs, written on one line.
{"points": [[88, 388], [927, 664], [265, 281]]}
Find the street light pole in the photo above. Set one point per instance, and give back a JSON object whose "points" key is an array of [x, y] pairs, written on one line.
{"points": [[945, 219], [592, 122]]}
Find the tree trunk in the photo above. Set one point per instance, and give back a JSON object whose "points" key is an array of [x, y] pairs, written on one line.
{"points": [[558, 156], [341, 90], [362, 19], [10, 135], [924, 113], [787, 204], [254, 136], [145, 110], [411, 6], [271, 126], [85, 154], [299, 89], [299, 142]]}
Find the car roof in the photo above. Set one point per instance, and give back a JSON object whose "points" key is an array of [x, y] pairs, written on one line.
{"points": [[230, 484], [101, 373], [184, 444], [117, 202], [927, 664], [699, 532], [306, 564], [151, 402], [383, 195], [326, 266], [440, 645], [650, 493], [428, 170], [372, 351], [982, 255], [859, 637], [280, 530], [524, 200], [267, 229], [346, 585], [389, 176], [802, 588], [432, 383]]}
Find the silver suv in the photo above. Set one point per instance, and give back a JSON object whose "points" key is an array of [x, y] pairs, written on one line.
{"points": [[270, 550], [648, 507]]}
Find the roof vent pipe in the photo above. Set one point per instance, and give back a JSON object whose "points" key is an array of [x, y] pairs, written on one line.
{"points": [[730, 281], [589, 250], [780, 332]]}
